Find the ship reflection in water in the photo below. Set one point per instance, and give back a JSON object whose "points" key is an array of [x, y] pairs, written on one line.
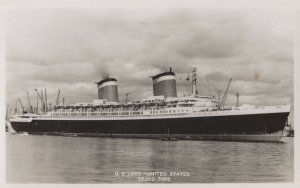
{"points": [[56, 159]]}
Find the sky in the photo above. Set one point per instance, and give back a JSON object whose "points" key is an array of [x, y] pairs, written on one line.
{"points": [[71, 49]]}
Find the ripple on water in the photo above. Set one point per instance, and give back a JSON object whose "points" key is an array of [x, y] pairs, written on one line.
{"points": [[54, 159]]}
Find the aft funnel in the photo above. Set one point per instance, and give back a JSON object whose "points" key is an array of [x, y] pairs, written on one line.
{"points": [[165, 84]]}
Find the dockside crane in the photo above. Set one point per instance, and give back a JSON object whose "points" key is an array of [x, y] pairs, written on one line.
{"points": [[37, 104], [16, 108], [41, 98], [126, 97], [46, 102], [57, 98], [237, 99], [29, 103], [23, 108], [218, 92], [223, 101], [7, 113], [212, 88]]}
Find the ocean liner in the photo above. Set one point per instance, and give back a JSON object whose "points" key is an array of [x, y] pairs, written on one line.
{"points": [[191, 116]]}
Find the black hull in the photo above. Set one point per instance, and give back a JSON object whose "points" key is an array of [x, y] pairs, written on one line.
{"points": [[255, 124]]}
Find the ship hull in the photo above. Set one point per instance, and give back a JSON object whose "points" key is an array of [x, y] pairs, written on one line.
{"points": [[249, 127], [275, 137]]}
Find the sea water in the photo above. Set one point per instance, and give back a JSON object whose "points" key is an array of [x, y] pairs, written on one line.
{"points": [[57, 159]]}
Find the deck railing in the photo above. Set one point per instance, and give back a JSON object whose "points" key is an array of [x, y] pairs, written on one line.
{"points": [[166, 113]]}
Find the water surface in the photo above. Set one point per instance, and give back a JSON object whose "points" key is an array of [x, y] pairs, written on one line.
{"points": [[57, 159]]}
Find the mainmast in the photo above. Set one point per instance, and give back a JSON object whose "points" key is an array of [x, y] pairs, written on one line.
{"points": [[194, 81]]}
